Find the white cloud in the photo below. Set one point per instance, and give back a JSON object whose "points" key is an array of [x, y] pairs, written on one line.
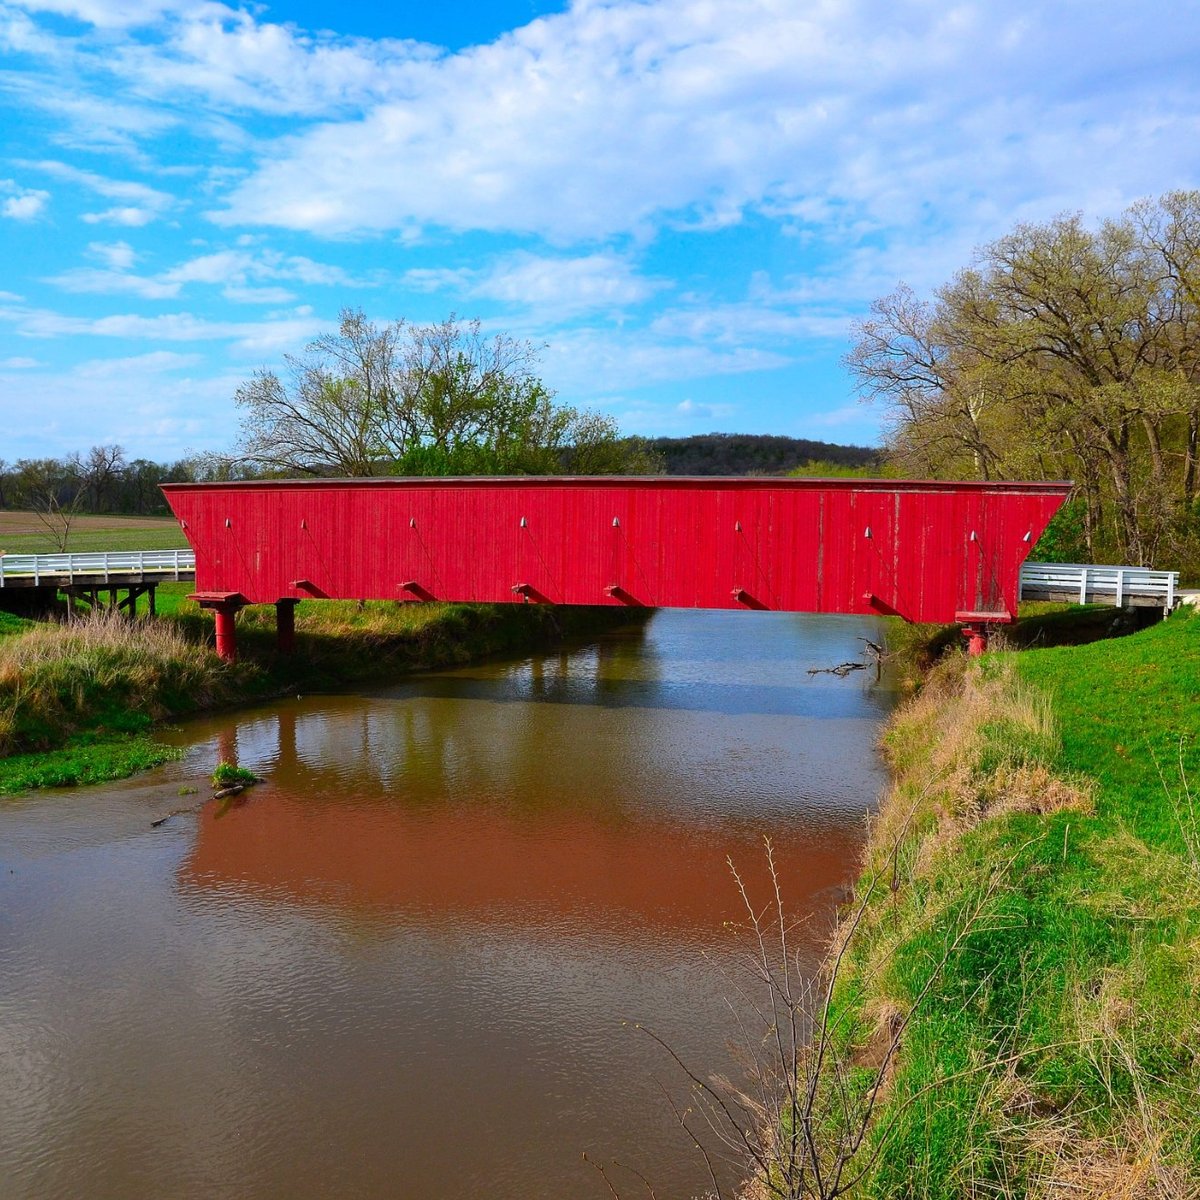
{"points": [[146, 203], [664, 419], [258, 295], [739, 324], [566, 285], [113, 283], [21, 203], [127, 215], [282, 332], [117, 256], [87, 119], [236, 61], [224, 56], [241, 266], [18, 364], [622, 118], [613, 117], [156, 362], [559, 287], [707, 412], [592, 362], [102, 185], [156, 405], [232, 270], [107, 14], [436, 279], [24, 207]]}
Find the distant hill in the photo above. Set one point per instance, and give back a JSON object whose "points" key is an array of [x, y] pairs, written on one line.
{"points": [[753, 454]]}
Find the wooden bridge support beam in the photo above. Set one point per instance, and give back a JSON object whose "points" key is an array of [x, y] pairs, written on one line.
{"points": [[285, 625]]}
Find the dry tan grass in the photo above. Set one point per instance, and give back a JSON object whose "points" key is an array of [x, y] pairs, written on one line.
{"points": [[1128, 1166], [102, 629], [970, 745], [55, 678]]}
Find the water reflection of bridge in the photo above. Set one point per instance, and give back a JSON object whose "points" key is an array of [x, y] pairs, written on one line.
{"points": [[436, 798]]}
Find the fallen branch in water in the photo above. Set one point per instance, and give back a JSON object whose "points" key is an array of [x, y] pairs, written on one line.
{"points": [[841, 670], [221, 794], [179, 812]]}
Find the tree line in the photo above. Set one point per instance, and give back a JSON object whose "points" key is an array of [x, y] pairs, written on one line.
{"points": [[754, 454], [1063, 352], [102, 480]]}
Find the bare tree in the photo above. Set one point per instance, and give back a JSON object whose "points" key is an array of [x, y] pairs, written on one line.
{"points": [[403, 398], [807, 1120], [1065, 351], [98, 472], [52, 492]]}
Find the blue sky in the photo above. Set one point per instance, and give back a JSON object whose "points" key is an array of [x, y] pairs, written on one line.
{"points": [[689, 202]]}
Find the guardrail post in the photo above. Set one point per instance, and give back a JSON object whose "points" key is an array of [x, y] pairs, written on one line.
{"points": [[1083, 586], [1120, 587]]}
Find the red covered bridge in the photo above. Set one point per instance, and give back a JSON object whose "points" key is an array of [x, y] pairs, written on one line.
{"points": [[924, 551]]}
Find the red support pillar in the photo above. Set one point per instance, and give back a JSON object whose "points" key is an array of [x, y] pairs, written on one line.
{"points": [[226, 615], [225, 607], [977, 639], [285, 625]]}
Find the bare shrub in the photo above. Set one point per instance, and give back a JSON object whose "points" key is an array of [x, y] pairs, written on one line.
{"points": [[803, 1121]]}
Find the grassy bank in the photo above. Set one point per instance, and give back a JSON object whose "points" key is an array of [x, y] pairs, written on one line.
{"points": [[78, 701], [1017, 1012]]}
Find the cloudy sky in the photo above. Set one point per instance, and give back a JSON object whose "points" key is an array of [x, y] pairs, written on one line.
{"points": [[688, 201]]}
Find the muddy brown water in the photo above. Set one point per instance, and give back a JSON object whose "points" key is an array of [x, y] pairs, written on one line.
{"points": [[411, 963]]}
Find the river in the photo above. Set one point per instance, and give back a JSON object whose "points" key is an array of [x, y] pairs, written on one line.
{"points": [[412, 962]]}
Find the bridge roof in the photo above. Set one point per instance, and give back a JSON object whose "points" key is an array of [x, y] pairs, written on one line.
{"points": [[838, 483]]}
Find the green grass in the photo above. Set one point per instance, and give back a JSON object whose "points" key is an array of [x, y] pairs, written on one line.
{"points": [[82, 761], [227, 775], [1132, 719], [10, 624], [1052, 833], [169, 598]]}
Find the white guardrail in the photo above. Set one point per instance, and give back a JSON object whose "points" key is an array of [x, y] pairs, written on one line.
{"points": [[1100, 584], [95, 567]]}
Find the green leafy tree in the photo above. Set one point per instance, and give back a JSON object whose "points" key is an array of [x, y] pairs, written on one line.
{"points": [[441, 399], [1063, 352]]}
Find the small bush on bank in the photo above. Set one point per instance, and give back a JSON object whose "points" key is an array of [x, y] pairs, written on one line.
{"points": [[227, 775]]}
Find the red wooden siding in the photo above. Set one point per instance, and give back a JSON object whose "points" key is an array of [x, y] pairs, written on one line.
{"points": [[927, 551]]}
